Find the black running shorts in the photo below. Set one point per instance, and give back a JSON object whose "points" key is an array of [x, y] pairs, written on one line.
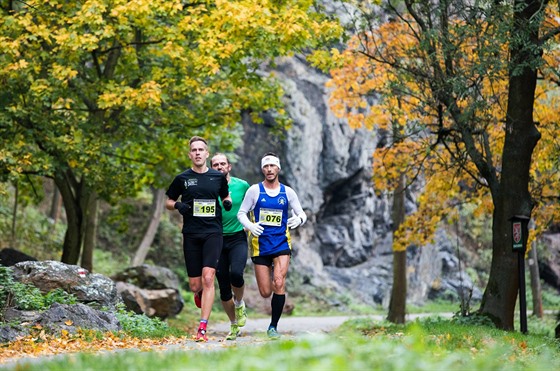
{"points": [[268, 259], [201, 250]]}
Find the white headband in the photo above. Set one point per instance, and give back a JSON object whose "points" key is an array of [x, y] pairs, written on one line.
{"points": [[270, 160]]}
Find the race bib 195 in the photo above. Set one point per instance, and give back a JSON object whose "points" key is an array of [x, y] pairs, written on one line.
{"points": [[204, 208]]}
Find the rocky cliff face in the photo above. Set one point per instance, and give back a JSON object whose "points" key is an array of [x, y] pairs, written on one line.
{"points": [[346, 244]]}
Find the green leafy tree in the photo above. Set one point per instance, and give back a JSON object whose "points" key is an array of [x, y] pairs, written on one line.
{"points": [[102, 95]]}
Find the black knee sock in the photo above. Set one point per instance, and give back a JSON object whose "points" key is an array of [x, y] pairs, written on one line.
{"points": [[277, 305]]}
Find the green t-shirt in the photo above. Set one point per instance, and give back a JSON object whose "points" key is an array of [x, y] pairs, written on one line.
{"points": [[237, 189]]}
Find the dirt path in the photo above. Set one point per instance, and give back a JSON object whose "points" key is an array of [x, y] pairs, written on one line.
{"points": [[289, 327], [301, 325], [254, 332]]}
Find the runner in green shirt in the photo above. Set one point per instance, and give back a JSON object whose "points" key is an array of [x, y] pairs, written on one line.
{"points": [[234, 251]]}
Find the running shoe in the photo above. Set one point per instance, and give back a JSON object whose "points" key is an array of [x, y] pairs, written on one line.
{"points": [[198, 299], [241, 315], [233, 332], [273, 334], [201, 335]]}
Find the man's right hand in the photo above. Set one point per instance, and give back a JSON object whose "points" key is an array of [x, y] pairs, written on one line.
{"points": [[182, 207], [256, 229]]}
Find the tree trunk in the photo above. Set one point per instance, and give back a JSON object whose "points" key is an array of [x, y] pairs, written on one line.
{"points": [[535, 282], [158, 203], [55, 205], [14, 218], [511, 197], [397, 305], [90, 237], [75, 197]]}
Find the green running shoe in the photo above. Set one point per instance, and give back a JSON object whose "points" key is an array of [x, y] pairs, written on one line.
{"points": [[233, 332], [273, 334], [241, 315]]}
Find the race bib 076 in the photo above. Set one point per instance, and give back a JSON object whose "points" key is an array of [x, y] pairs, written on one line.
{"points": [[272, 217]]}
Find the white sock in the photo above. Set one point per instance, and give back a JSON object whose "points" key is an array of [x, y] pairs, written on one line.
{"points": [[238, 303]]}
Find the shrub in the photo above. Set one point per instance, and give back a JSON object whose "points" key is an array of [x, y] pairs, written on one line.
{"points": [[28, 297], [473, 319], [142, 326]]}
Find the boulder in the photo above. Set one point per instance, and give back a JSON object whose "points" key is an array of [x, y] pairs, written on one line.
{"points": [[436, 272], [10, 257], [10, 333], [58, 317], [89, 288], [150, 290], [549, 260], [161, 303], [71, 317], [21, 316], [149, 277]]}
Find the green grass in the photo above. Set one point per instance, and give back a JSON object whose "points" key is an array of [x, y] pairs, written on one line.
{"points": [[436, 306], [358, 345]]}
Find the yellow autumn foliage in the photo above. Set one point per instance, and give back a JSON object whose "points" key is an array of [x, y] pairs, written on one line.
{"points": [[374, 86], [40, 344], [112, 67]]}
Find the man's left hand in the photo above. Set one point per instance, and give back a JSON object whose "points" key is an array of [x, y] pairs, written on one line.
{"points": [[294, 221]]}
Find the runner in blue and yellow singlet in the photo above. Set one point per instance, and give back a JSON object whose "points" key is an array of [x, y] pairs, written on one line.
{"points": [[269, 202]]}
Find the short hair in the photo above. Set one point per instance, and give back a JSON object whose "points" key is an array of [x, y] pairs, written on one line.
{"points": [[270, 154], [196, 138], [219, 154]]}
